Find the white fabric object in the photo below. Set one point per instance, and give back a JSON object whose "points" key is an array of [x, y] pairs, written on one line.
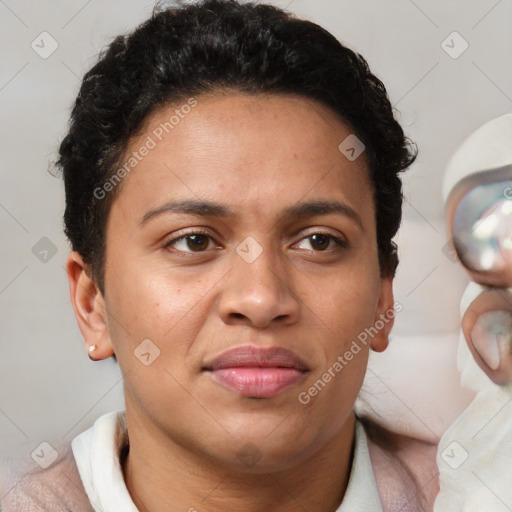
{"points": [[489, 147], [97, 450], [361, 494], [475, 453]]}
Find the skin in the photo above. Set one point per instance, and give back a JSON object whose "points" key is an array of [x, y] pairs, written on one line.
{"points": [[257, 156]]}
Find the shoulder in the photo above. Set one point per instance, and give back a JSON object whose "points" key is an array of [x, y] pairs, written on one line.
{"points": [[405, 469], [58, 488]]}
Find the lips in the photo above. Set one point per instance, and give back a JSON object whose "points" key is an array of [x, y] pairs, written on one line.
{"points": [[257, 372], [261, 357]]}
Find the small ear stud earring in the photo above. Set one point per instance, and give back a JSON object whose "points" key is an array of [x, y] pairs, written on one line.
{"points": [[92, 348]]}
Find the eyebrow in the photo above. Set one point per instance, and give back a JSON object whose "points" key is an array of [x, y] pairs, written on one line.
{"points": [[214, 209]]}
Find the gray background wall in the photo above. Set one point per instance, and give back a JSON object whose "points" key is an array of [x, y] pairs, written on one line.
{"points": [[49, 390]]}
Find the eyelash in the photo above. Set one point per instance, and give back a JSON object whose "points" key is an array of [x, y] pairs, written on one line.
{"points": [[340, 242]]}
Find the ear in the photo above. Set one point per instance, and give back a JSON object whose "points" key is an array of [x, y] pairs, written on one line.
{"points": [[384, 316], [89, 306]]}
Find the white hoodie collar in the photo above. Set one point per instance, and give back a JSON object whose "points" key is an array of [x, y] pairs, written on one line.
{"points": [[96, 453]]}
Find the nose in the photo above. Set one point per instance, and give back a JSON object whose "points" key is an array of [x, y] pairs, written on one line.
{"points": [[257, 293]]}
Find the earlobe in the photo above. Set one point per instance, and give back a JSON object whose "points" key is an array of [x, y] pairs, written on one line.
{"points": [[384, 317], [89, 307]]}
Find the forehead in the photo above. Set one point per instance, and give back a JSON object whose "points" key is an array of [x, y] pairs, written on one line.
{"points": [[260, 152]]}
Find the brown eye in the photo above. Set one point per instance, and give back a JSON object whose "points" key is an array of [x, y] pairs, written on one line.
{"points": [[191, 242], [322, 241], [197, 242]]}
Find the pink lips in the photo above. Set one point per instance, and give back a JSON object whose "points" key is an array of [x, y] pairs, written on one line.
{"points": [[257, 371]]}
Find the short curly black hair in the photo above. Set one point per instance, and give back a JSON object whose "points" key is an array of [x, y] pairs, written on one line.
{"points": [[186, 50]]}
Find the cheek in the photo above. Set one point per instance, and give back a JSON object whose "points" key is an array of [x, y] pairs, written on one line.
{"points": [[341, 310], [348, 303], [145, 303]]}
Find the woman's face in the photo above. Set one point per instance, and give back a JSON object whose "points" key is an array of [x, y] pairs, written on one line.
{"points": [[248, 276]]}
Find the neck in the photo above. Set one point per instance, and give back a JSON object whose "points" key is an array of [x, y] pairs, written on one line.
{"points": [[190, 482]]}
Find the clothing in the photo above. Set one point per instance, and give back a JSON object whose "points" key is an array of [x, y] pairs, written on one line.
{"points": [[56, 489], [92, 479], [361, 494], [97, 456]]}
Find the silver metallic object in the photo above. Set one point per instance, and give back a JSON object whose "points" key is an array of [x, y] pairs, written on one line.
{"points": [[479, 218]]}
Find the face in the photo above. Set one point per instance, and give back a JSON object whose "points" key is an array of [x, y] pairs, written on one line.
{"points": [[244, 227]]}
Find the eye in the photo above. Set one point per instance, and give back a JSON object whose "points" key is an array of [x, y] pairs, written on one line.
{"points": [[196, 241], [321, 241], [200, 241]]}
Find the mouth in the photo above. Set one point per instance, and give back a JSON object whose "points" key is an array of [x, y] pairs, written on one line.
{"points": [[257, 372]]}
